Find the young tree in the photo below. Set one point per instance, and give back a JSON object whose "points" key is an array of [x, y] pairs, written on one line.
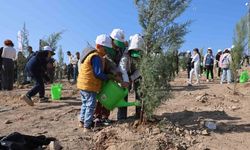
{"points": [[25, 40], [60, 62], [240, 42], [52, 40], [162, 36]]}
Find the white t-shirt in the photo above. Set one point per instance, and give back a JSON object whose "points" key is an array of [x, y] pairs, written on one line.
{"points": [[9, 52], [196, 60]]}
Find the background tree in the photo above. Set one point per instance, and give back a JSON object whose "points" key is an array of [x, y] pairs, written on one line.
{"points": [[240, 43], [52, 40], [25, 40], [162, 36], [60, 62]]}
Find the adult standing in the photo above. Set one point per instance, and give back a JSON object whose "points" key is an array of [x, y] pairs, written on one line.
{"points": [[8, 57], [188, 63], [217, 60], [36, 67], [209, 64], [75, 66], [225, 62], [70, 66], [195, 66], [1, 51]]}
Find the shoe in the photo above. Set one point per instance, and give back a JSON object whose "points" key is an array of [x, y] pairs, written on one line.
{"points": [[43, 100], [81, 124], [221, 82], [106, 122], [207, 80], [27, 99], [87, 130]]}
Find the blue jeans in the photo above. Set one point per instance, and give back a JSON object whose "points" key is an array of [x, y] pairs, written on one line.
{"points": [[88, 107], [75, 73], [226, 75]]}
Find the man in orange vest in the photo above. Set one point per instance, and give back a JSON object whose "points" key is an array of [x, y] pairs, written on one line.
{"points": [[90, 78]]}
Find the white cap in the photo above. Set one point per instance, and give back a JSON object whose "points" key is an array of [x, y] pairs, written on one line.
{"points": [[104, 40], [188, 52], [47, 48], [136, 42], [118, 34], [209, 48], [219, 50]]}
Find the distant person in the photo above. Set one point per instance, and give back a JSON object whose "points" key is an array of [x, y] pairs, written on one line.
{"points": [[217, 60], [21, 62], [36, 67], [225, 62], [195, 66], [90, 79], [8, 57], [209, 64], [1, 51], [26, 75], [70, 66], [75, 66], [188, 63]]}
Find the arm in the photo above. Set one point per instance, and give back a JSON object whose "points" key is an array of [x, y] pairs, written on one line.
{"points": [[123, 68], [96, 63], [135, 75]]}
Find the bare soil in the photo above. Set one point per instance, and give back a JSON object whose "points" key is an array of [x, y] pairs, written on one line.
{"points": [[179, 123]]}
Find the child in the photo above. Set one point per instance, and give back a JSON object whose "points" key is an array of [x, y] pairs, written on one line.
{"points": [[90, 79], [130, 72]]}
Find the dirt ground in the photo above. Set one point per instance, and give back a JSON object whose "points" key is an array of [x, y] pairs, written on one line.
{"points": [[180, 123]]}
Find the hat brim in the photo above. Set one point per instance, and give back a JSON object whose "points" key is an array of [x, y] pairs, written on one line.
{"points": [[119, 44]]}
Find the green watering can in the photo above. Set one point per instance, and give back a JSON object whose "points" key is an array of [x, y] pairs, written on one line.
{"points": [[56, 91], [244, 76], [112, 96]]}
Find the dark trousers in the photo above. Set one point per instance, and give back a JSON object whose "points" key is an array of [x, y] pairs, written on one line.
{"points": [[7, 74], [75, 73], [122, 111], [209, 69], [38, 87], [188, 71], [69, 71], [219, 71]]}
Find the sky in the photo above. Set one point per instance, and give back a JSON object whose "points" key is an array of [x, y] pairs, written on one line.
{"points": [[213, 21]]}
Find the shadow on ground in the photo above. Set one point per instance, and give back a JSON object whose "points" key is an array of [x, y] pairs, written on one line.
{"points": [[188, 88], [191, 120]]}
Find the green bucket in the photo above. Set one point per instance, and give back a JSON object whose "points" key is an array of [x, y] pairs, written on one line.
{"points": [[244, 76], [112, 96], [56, 91]]}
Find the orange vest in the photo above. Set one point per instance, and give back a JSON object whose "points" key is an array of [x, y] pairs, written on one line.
{"points": [[86, 79]]}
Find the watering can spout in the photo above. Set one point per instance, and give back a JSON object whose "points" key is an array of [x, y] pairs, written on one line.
{"points": [[123, 103]]}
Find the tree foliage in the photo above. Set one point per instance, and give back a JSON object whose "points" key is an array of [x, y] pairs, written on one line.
{"points": [[240, 43], [25, 40], [162, 36], [51, 40], [60, 62]]}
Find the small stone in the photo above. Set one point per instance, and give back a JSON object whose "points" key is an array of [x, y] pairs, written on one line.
{"points": [[8, 122], [186, 131], [235, 100], [156, 131], [177, 130], [198, 98], [55, 145], [41, 117], [233, 108], [204, 132]]}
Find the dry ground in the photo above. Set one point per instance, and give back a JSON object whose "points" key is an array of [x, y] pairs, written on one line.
{"points": [[178, 123]]}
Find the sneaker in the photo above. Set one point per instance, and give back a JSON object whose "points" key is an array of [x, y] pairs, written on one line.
{"points": [[87, 130], [81, 124], [106, 122], [207, 80], [43, 100], [27, 99], [221, 82]]}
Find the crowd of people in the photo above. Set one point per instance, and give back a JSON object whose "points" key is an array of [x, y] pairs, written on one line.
{"points": [[112, 58], [221, 61]]}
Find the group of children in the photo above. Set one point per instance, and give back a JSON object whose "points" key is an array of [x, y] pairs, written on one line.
{"points": [[221, 61], [112, 59]]}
